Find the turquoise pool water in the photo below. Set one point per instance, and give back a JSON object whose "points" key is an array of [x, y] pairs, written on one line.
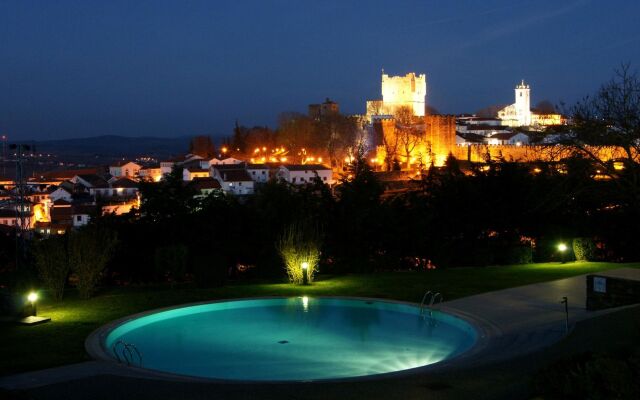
{"points": [[301, 338]]}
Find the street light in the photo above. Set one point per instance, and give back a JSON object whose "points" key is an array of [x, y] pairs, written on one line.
{"points": [[32, 297], [305, 273], [562, 248]]}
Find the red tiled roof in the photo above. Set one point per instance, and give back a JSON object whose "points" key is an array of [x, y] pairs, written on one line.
{"points": [[205, 183]]}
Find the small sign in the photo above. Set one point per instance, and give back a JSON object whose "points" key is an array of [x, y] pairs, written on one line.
{"points": [[599, 284]]}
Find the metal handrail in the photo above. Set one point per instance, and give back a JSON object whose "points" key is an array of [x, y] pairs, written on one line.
{"points": [[424, 298], [433, 299], [126, 352]]}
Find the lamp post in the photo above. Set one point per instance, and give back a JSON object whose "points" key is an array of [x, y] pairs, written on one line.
{"points": [[562, 248], [33, 297], [305, 273]]}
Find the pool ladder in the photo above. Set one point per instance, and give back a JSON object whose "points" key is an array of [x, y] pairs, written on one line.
{"points": [[429, 300], [127, 353]]}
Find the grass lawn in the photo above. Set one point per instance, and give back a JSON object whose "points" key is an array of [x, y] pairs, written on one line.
{"points": [[62, 340]]}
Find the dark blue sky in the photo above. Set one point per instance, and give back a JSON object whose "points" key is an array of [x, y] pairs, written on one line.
{"points": [[172, 68]]}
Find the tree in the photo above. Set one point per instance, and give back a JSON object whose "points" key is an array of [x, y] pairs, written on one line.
{"points": [[545, 107], [202, 146], [296, 131], [52, 264], [90, 249], [611, 119], [406, 131], [299, 247], [167, 199], [171, 262]]}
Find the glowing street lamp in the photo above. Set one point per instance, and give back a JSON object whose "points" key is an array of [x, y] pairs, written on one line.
{"points": [[32, 297], [305, 273], [32, 319], [562, 248]]}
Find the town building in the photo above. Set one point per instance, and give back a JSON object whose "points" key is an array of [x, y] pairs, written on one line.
{"points": [[234, 181], [150, 173], [302, 174], [520, 114], [127, 169], [190, 173]]}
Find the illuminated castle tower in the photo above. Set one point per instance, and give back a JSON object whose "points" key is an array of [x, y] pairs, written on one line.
{"points": [[400, 91]]}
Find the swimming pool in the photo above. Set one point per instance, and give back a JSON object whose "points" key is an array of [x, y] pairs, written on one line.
{"points": [[289, 339]]}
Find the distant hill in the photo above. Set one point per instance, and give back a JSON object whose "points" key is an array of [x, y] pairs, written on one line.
{"points": [[106, 148]]}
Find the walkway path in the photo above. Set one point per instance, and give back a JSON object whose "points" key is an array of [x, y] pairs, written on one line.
{"points": [[523, 319], [528, 318]]}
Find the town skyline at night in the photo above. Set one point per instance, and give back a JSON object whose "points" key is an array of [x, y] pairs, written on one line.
{"points": [[77, 69]]}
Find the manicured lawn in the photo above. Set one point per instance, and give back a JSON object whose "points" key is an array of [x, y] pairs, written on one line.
{"points": [[62, 340]]}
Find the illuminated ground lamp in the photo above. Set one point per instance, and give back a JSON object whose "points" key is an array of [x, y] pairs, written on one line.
{"points": [[562, 248], [33, 319], [305, 273]]}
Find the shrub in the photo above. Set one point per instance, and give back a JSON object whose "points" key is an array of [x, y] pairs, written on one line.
{"points": [[171, 261], [591, 376], [584, 249], [52, 263], [210, 270], [89, 252], [519, 255], [299, 244]]}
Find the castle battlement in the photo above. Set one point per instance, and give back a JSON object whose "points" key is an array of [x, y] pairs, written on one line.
{"points": [[409, 91]]}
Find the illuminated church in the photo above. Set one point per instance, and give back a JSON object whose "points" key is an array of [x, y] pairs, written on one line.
{"points": [[520, 114]]}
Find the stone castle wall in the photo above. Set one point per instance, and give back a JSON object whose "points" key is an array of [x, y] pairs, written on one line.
{"points": [[439, 140]]}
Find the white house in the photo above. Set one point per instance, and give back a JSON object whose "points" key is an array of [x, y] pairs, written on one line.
{"points": [[151, 173], [205, 186], [512, 138], [235, 181], [60, 193], [167, 165], [122, 188], [228, 160], [81, 214], [258, 172], [127, 169], [301, 174], [188, 174], [90, 181]]}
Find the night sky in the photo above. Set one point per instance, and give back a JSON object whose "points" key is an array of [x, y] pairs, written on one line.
{"points": [[173, 68]]}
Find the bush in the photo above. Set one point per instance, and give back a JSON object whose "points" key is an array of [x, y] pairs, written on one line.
{"points": [[171, 262], [210, 270], [584, 249], [299, 245], [519, 255], [89, 251], [52, 263], [592, 376]]}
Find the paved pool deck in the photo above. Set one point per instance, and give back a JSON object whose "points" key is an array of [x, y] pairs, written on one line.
{"points": [[521, 320]]}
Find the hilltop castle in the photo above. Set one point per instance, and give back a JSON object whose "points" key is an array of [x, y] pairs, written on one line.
{"points": [[400, 91]]}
